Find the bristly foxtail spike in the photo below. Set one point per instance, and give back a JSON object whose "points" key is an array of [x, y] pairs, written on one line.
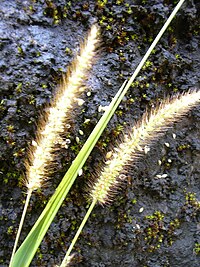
{"points": [[145, 132], [51, 123]]}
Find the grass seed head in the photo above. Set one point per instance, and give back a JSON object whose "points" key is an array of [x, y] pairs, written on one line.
{"points": [[145, 132], [52, 124]]}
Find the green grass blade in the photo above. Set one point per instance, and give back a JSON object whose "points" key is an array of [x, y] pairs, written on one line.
{"points": [[27, 250]]}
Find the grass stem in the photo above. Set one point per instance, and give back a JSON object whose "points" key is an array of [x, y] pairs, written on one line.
{"points": [[21, 225], [66, 259]]}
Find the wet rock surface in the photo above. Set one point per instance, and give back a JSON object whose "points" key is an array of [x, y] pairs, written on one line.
{"points": [[155, 218]]}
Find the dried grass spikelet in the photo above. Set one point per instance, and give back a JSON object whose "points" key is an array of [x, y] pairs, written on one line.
{"points": [[145, 132], [52, 124]]}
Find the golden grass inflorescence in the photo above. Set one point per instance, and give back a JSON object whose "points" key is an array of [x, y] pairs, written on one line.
{"points": [[145, 132], [52, 123]]}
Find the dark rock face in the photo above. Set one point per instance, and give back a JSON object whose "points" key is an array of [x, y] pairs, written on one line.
{"points": [[154, 221]]}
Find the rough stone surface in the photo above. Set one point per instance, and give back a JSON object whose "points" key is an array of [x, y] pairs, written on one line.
{"points": [[38, 41]]}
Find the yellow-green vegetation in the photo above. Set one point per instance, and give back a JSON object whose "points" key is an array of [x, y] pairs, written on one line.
{"points": [[57, 13], [158, 231], [18, 89], [192, 205], [154, 231], [101, 3], [183, 147], [197, 248]]}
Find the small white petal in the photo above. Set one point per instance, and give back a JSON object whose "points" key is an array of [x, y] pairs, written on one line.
{"points": [[87, 120], [88, 93], [138, 227], [34, 143], [81, 132], [109, 155], [80, 172], [141, 210], [146, 149]]}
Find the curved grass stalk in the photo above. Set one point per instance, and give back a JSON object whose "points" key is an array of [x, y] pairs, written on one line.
{"points": [[67, 257]]}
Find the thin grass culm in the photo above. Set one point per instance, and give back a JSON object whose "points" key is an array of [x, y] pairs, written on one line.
{"points": [[153, 125], [55, 120]]}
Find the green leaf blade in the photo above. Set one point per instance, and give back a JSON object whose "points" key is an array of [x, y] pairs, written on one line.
{"points": [[27, 250]]}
